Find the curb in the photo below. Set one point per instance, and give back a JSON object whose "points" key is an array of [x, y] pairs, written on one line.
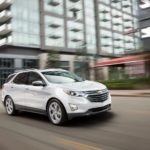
{"points": [[130, 95]]}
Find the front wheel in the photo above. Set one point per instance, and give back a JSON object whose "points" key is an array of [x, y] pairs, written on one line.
{"points": [[56, 112], [10, 107]]}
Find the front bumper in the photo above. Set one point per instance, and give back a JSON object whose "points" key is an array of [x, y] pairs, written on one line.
{"points": [[92, 111]]}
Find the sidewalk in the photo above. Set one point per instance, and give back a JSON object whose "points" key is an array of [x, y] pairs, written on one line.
{"points": [[134, 93]]}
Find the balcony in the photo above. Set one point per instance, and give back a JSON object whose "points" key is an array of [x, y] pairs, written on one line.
{"points": [[54, 36], [104, 11], [126, 5], [115, 1], [127, 27], [117, 24], [54, 2], [117, 16], [5, 16], [76, 40], [74, 9], [117, 39], [106, 45], [106, 37], [74, 1], [129, 41], [4, 4], [127, 20], [105, 20], [117, 47], [5, 29], [54, 25], [75, 30]]}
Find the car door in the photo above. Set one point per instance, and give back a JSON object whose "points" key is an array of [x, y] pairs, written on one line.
{"points": [[37, 95], [18, 88]]}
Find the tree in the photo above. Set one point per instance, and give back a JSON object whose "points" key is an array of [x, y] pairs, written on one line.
{"points": [[52, 59]]}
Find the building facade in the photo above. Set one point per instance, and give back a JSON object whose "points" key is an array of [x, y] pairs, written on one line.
{"points": [[81, 32], [144, 22]]}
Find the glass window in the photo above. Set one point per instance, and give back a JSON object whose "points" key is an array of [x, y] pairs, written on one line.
{"points": [[30, 63], [25, 23], [54, 7], [61, 77], [33, 76], [21, 78], [6, 63]]}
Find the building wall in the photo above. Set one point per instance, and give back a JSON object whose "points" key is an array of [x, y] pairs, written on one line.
{"points": [[144, 20]]}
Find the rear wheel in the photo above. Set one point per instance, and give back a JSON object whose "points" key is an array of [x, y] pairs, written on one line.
{"points": [[10, 107], [56, 112]]}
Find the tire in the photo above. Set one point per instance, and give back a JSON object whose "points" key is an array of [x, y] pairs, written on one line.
{"points": [[56, 112], [9, 106]]}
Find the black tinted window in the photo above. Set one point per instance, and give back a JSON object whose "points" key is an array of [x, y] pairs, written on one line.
{"points": [[21, 78], [33, 76]]}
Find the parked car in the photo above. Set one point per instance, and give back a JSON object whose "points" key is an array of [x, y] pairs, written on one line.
{"points": [[58, 93]]}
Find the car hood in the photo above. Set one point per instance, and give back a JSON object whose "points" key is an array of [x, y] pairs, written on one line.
{"points": [[83, 86]]}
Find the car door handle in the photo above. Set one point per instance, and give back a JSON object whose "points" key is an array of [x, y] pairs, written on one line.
{"points": [[12, 87], [27, 88]]}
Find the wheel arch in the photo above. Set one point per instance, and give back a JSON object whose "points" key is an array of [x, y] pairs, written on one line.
{"points": [[54, 98], [5, 98]]}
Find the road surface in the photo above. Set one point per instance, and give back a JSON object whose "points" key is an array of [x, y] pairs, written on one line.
{"points": [[125, 127]]}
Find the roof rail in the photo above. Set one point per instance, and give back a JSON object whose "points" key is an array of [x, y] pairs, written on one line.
{"points": [[19, 70]]}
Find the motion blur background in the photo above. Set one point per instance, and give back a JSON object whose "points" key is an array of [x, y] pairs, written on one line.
{"points": [[103, 40]]}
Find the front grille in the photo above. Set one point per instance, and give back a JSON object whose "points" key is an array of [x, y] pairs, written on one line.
{"points": [[96, 97]]}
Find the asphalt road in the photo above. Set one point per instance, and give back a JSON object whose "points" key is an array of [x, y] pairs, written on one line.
{"points": [[125, 127]]}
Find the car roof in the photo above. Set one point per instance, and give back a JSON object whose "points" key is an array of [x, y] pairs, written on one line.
{"points": [[39, 70]]}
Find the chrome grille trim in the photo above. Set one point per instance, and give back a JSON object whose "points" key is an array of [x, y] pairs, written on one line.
{"points": [[97, 96]]}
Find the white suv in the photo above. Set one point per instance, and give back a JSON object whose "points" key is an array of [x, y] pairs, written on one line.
{"points": [[55, 92]]}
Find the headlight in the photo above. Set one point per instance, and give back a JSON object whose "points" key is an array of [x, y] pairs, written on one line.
{"points": [[75, 93]]}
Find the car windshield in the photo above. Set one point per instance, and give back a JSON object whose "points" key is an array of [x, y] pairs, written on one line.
{"points": [[60, 77]]}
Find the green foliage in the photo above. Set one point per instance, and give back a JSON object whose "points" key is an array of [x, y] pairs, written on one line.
{"points": [[53, 56], [138, 83]]}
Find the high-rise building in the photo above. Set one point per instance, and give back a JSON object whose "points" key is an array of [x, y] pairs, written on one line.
{"points": [[80, 31], [144, 22]]}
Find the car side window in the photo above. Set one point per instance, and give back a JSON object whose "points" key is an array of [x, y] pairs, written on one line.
{"points": [[21, 78], [33, 76]]}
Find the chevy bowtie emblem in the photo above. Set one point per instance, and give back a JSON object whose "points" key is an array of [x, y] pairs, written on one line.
{"points": [[99, 92]]}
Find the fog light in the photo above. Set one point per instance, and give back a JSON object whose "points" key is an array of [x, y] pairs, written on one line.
{"points": [[73, 107]]}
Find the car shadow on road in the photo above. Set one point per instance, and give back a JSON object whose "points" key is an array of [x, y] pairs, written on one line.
{"points": [[100, 119], [94, 120]]}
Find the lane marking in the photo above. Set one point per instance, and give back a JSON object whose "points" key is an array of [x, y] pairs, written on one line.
{"points": [[78, 145]]}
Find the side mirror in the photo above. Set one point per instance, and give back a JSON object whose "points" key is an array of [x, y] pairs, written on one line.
{"points": [[38, 83]]}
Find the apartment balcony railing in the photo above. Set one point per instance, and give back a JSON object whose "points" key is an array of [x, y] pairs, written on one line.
{"points": [[55, 35], [4, 4], [126, 5], [127, 20], [104, 11], [74, 1], [5, 30], [54, 25], [75, 8], [5, 16], [54, 2], [76, 40], [106, 37], [75, 30], [115, 1]]}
